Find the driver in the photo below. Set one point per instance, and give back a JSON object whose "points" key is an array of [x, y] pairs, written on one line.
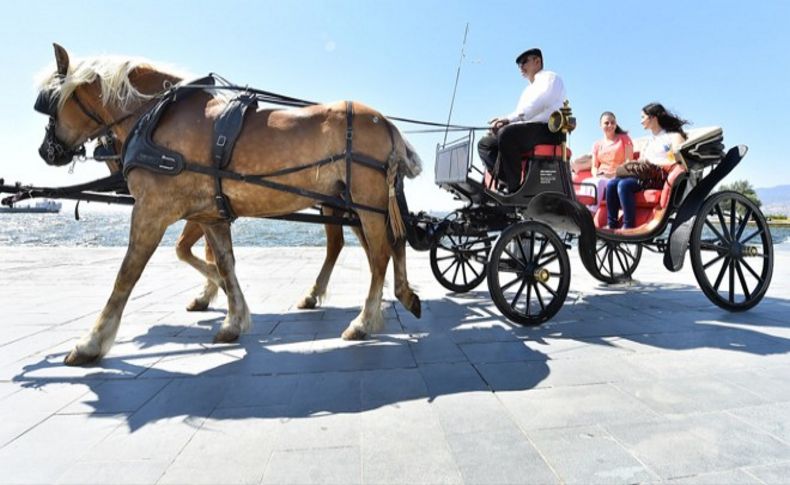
{"points": [[527, 126]]}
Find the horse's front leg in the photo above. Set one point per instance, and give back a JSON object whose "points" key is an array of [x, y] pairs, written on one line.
{"points": [[189, 236], [238, 318], [147, 228]]}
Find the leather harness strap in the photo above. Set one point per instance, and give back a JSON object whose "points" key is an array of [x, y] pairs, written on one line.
{"points": [[141, 151], [227, 128]]}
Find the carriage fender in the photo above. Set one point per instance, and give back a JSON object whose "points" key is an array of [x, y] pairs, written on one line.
{"points": [[683, 223], [566, 215]]}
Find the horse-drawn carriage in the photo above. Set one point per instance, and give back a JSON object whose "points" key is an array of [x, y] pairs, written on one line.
{"points": [[519, 242], [179, 150]]}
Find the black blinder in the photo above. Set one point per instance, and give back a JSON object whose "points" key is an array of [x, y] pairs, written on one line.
{"points": [[54, 151], [47, 102]]}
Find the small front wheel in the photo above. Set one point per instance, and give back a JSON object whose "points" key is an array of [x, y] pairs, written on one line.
{"points": [[459, 262], [616, 261], [732, 254], [529, 273]]}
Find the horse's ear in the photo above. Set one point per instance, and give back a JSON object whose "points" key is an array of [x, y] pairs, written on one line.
{"points": [[62, 59]]}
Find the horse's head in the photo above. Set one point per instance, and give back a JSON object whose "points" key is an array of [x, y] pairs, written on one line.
{"points": [[88, 100], [71, 122]]}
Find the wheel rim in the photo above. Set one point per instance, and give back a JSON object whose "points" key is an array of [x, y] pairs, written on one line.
{"points": [[531, 275], [734, 252], [616, 261], [459, 262]]}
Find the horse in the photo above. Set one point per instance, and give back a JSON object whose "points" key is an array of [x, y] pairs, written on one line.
{"points": [[101, 96]]}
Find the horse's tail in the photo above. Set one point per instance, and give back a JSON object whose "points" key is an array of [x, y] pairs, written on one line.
{"points": [[403, 160]]}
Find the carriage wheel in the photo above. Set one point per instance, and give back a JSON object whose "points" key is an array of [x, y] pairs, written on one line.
{"points": [[529, 273], [732, 254], [459, 262], [616, 261]]}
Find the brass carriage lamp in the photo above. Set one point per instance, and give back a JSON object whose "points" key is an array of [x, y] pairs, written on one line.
{"points": [[561, 120]]}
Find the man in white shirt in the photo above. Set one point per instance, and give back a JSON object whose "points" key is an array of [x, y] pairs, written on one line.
{"points": [[527, 126]]}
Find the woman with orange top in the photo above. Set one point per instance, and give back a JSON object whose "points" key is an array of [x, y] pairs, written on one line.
{"points": [[608, 153]]}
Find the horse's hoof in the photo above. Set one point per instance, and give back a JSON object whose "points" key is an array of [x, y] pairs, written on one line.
{"points": [[307, 303], [226, 336], [416, 307], [353, 334], [76, 358], [197, 306]]}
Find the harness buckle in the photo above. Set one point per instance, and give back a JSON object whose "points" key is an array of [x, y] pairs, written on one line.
{"points": [[221, 140]]}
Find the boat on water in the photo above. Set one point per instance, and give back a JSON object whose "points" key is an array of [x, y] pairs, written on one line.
{"points": [[46, 206]]}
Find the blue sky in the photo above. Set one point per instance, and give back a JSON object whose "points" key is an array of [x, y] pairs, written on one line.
{"points": [[714, 62]]}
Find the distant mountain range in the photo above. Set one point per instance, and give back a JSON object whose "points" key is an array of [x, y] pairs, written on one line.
{"points": [[776, 200]]}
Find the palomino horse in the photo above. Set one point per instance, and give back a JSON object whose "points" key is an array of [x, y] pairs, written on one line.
{"points": [[94, 96]]}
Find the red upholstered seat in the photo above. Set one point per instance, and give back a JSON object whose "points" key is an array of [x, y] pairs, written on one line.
{"points": [[648, 202], [543, 151], [582, 195]]}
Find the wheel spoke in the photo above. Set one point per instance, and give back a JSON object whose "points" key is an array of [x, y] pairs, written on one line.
{"points": [[713, 261], [463, 271], [754, 273], [529, 298], [721, 273], [733, 213], [743, 280], [550, 258], [518, 278], [610, 261], [744, 221], [472, 269], [548, 288], [516, 260], [540, 298], [724, 228], [715, 231], [712, 247], [518, 293], [520, 245], [443, 258], [732, 279], [543, 245], [454, 263], [623, 266], [455, 275], [758, 232]]}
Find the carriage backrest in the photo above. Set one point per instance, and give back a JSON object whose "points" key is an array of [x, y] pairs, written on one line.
{"points": [[452, 161]]}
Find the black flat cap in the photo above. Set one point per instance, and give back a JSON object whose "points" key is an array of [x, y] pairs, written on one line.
{"points": [[530, 52]]}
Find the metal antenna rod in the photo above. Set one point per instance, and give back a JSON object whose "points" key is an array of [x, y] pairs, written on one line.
{"points": [[455, 88]]}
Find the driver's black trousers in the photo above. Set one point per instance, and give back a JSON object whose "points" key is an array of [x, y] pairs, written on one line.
{"points": [[509, 144]]}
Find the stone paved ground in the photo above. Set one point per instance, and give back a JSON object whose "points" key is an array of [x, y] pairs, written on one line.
{"points": [[647, 382]]}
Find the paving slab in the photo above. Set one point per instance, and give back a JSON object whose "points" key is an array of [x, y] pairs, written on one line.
{"points": [[644, 381]]}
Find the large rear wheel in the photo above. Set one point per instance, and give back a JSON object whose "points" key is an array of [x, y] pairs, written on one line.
{"points": [[529, 273], [459, 262], [731, 251]]}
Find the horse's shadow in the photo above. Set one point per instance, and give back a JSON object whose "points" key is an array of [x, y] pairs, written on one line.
{"points": [[285, 370]]}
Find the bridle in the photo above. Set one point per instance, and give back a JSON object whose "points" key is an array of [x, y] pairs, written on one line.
{"points": [[56, 152]]}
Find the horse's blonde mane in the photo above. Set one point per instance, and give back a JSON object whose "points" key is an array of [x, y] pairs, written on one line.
{"points": [[113, 73]]}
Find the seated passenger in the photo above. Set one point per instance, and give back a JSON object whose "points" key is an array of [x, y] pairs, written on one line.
{"points": [[668, 135], [527, 126], [608, 153]]}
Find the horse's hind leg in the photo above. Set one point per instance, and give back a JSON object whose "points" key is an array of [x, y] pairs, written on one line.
{"points": [[189, 236], [147, 228], [334, 244], [238, 318], [403, 291], [370, 319]]}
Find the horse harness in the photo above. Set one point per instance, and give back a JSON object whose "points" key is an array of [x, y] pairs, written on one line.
{"points": [[140, 151]]}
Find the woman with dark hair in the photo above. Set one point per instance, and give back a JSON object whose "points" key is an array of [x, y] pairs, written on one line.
{"points": [[668, 135], [608, 153]]}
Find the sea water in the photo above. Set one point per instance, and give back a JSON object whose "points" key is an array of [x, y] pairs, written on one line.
{"points": [[111, 229]]}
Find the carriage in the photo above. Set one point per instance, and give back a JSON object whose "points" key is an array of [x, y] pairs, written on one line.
{"points": [[177, 151], [519, 242]]}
